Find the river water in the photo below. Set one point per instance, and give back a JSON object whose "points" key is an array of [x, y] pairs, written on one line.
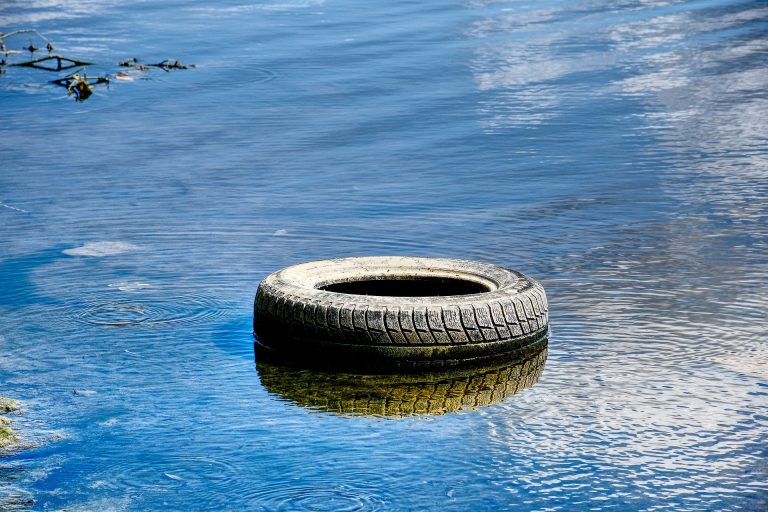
{"points": [[617, 151]]}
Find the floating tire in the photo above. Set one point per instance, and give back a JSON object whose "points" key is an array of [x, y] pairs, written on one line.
{"points": [[398, 312]]}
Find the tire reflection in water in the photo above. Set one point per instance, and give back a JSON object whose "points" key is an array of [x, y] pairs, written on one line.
{"points": [[402, 395]]}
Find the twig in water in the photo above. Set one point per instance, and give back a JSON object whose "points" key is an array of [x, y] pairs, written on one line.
{"points": [[168, 65]]}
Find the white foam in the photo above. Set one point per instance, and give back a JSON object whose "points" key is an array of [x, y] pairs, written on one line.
{"points": [[99, 249], [129, 286]]}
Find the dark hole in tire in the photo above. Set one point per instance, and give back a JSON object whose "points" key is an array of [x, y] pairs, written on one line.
{"points": [[408, 287]]}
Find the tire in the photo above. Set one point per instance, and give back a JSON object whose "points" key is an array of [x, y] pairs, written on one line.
{"points": [[398, 311], [402, 395]]}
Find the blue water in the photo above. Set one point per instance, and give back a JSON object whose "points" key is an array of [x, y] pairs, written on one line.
{"points": [[615, 150]]}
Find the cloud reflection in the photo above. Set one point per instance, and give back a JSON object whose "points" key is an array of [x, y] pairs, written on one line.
{"points": [[26, 12]]}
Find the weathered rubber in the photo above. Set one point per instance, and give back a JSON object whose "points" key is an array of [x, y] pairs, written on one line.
{"points": [[292, 313], [402, 395]]}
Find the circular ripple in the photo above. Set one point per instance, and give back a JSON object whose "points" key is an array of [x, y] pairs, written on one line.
{"points": [[339, 498], [220, 76], [143, 311], [175, 473]]}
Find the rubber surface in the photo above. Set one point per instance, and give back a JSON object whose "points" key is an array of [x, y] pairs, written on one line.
{"points": [[296, 313]]}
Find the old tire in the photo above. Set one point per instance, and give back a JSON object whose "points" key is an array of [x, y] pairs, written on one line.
{"points": [[398, 311]]}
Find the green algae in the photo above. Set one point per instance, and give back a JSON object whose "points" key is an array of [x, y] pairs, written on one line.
{"points": [[7, 436], [8, 404]]}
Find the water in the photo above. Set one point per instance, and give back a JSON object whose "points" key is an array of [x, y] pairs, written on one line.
{"points": [[614, 150]]}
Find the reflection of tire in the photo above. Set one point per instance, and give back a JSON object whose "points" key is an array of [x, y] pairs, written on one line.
{"points": [[405, 394], [409, 312]]}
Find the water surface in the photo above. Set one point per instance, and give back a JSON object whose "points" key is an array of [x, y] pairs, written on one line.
{"points": [[614, 150]]}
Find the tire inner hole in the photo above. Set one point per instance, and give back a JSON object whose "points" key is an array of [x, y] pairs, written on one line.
{"points": [[408, 287]]}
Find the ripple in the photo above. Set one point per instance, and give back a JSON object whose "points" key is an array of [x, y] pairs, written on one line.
{"points": [[252, 75], [173, 473], [399, 396], [147, 311], [223, 76], [338, 498]]}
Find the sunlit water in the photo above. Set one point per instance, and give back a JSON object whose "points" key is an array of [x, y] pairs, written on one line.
{"points": [[615, 150]]}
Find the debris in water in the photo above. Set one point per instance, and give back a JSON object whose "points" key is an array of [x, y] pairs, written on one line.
{"points": [[78, 85], [84, 392], [172, 476], [128, 63], [168, 65]]}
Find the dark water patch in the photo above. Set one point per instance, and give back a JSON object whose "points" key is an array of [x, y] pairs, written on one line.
{"points": [[420, 287]]}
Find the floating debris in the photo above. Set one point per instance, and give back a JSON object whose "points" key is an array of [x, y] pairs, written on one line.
{"points": [[79, 85], [167, 65], [172, 476], [84, 392], [128, 63]]}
